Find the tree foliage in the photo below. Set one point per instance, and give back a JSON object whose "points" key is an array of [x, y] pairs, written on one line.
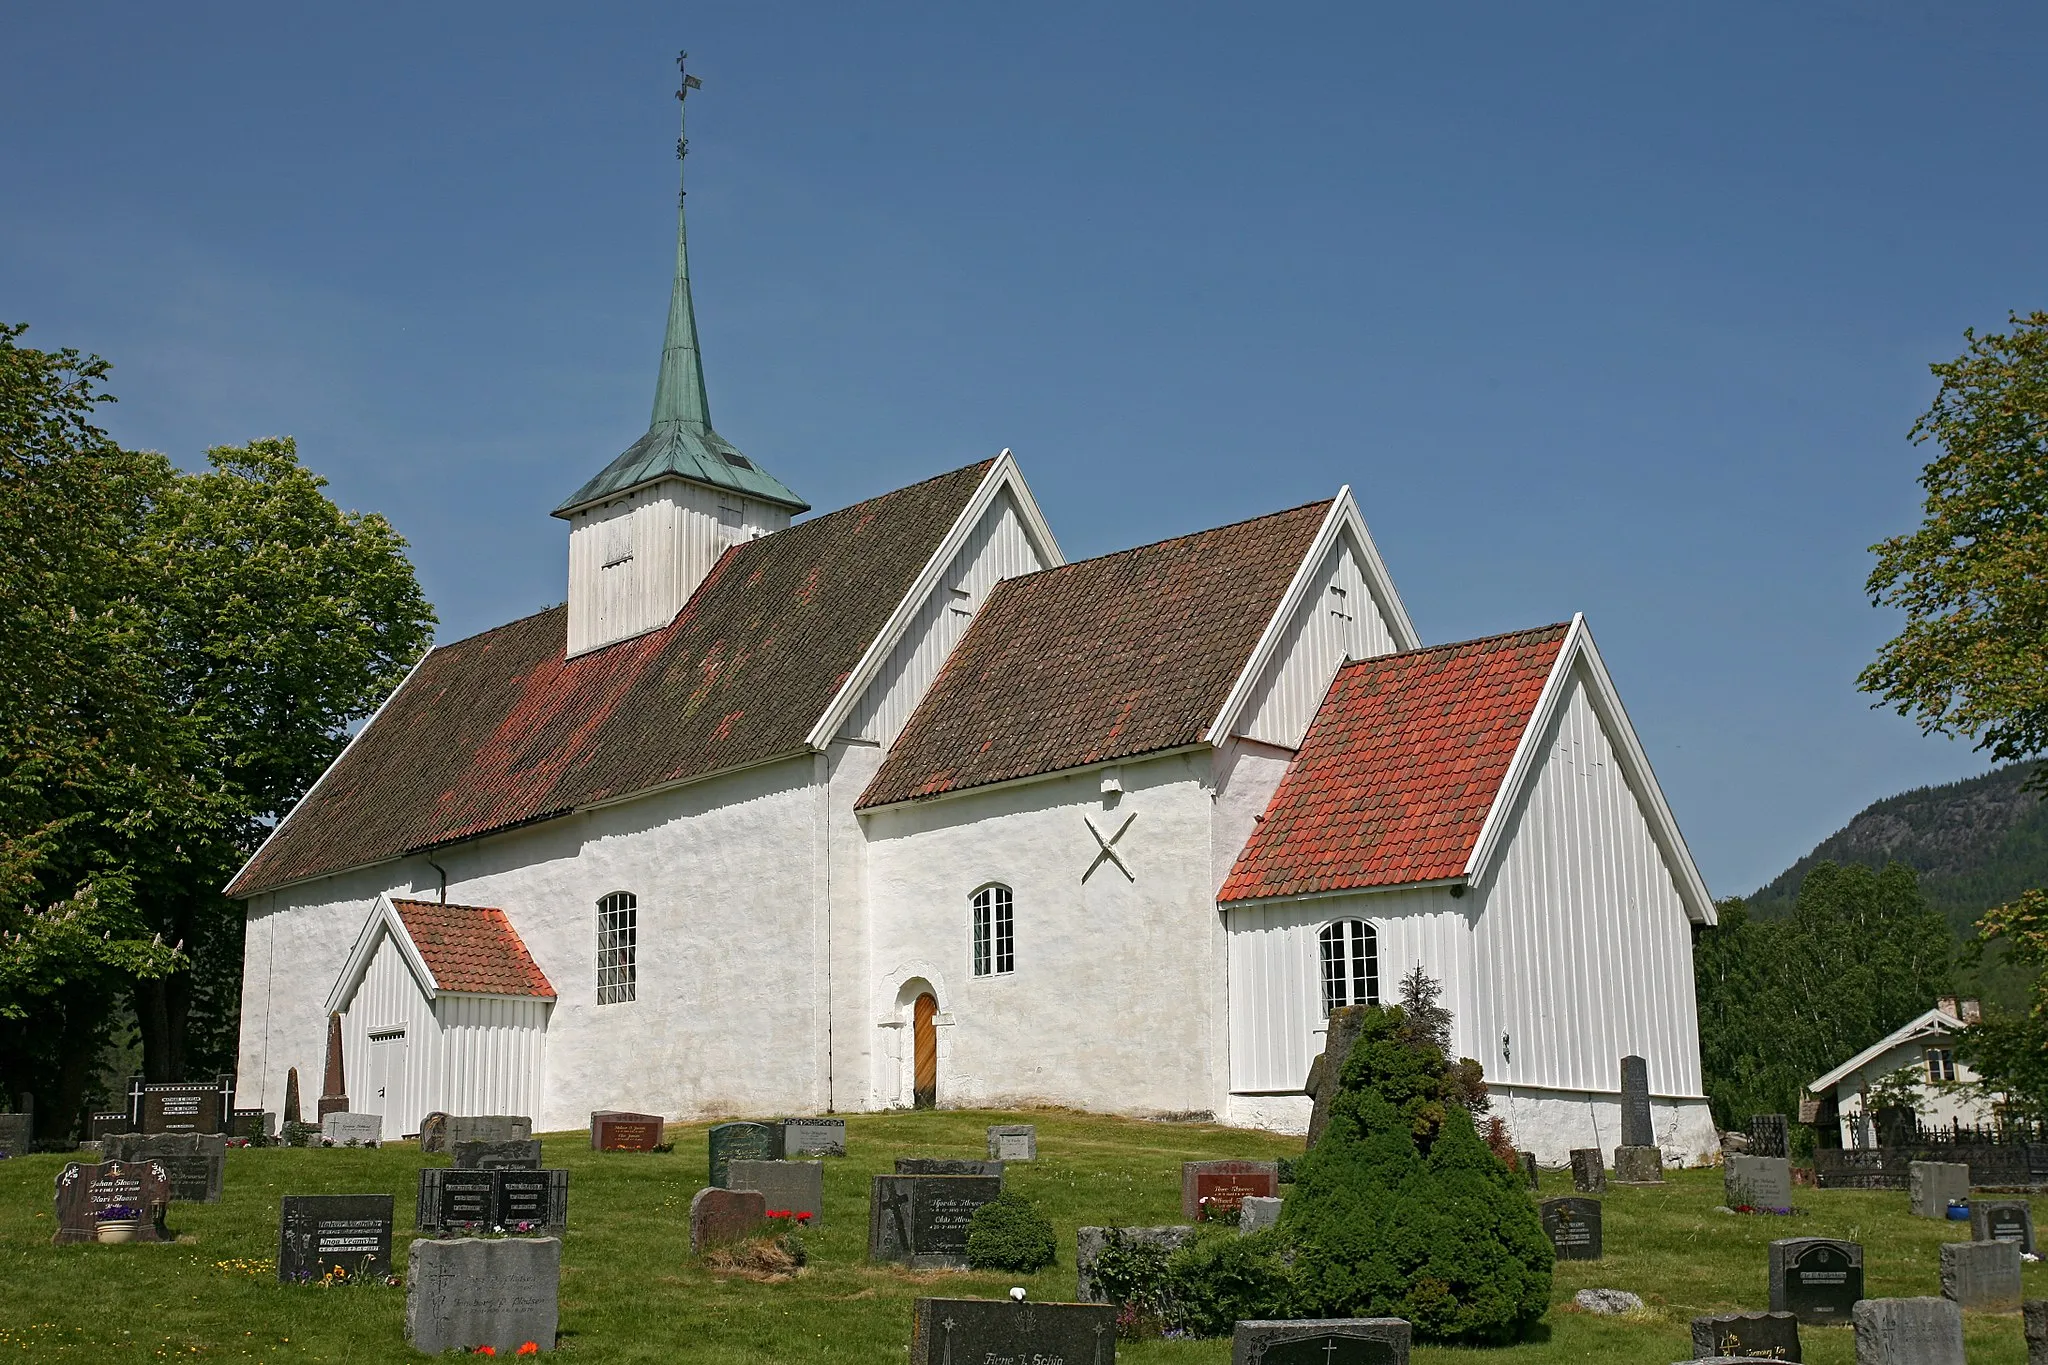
{"points": [[2009, 1049]]}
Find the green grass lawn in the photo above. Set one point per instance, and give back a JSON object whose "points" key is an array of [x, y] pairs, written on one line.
{"points": [[630, 1291]]}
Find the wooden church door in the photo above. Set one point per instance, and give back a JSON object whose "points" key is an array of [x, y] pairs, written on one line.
{"points": [[925, 1039]]}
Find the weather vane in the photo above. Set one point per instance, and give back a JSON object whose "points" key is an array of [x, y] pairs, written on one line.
{"points": [[683, 93]]}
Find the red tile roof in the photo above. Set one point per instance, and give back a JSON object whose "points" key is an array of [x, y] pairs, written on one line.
{"points": [[1107, 658], [472, 948], [500, 730], [1399, 769]]}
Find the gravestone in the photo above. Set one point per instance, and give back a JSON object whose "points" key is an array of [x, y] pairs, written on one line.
{"points": [[2003, 1220], [1638, 1166], [724, 1216], [1573, 1226], [2034, 1315], [486, 1128], [252, 1124], [956, 1331], [1321, 1341], [812, 1137], [17, 1134], [434, 1133], [346, 1129], [1528, 1160], [1346, 1023], [1769, 1135], [1760, 1182], [519, 1202], [1934, 1185], [1746, 1336], [322, 1233], [112, 1192], [1636, 1128], [185, 1107], [1090, 1243], [471, 1292], [1908, 1332], [792, 1188], [738, 1141], [1982, 1275], [1816, 1279], [614, 1130], [1013, 1142], [195, 1162], [531, 1202], [497, 1156], [333, 1085], [106, 1124], [1257, 1213], [947, 1165], [1589, 1171], [921, 1220], [1222, 1185]]}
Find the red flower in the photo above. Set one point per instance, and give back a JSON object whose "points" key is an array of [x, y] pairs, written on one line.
{"points": [[485, 1351], [529, 1349]]}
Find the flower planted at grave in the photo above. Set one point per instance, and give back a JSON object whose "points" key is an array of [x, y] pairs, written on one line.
{"points": [[117, 1223]]}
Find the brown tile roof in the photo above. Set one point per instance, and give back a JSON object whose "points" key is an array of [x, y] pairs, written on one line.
{"points": [[1108, 658], [472, 948], [499, 730], [1398, 770]]}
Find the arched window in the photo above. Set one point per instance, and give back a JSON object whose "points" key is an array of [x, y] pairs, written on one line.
{"points": [[1351, 964], [618, 943], [995, 931]]}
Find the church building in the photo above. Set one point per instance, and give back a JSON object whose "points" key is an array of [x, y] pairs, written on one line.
{"points": [[893, 805]]}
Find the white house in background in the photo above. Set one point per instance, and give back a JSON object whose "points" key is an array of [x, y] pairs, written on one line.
{"points": [[892, 805], [1921, 1051]]}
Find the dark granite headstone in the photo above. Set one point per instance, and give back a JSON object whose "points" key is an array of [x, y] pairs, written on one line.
{"points": [[1218, 1187], [102, 1125], [811, 1137], [112, 1192], [1982, 1276], [1816, 1279], [472, 1293], [745, 1141], [615, 1130], [957, 1331], [2002, 1220], [1573, 1226], [185, 1107], [921, 1220], [793, 1189], [196, 1162], [1636, 1129], [496, 1156], [1091, 1243], [1321, 1341], [1746, 1336], [1589, 1170], [725, 1216], [531, 1202], [319, 1233], [1769, 1135], [455, 1201], [250, 1123], [947, 1165]]}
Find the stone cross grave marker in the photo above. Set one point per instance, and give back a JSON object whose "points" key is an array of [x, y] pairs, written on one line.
{"points": [[1758, 1182], [741, 1141], [1769, 1135], [1321, 1341], [1982, 1275], [614, 1130], [345, 1128], [90, 1197], [1817, 1279], [1934, 1185], [1908, 1332], [954, 1331], [947, 1165], [1220, 1186], [185, 1107], [196, 1162], [2003, 1220], [811, 1137], [1090, 1243], [1013, 1142], [725, 1216], [1746, 1336], [792, 1188], [1589, 1170], [322, 1233], [921, 1220], [496, 1156], [1573, 1225], [470, 1292]]}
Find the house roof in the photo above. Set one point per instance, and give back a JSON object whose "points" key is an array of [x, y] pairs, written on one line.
{"points": [[501, 730], [1397, 774], [472, 948], [1103, 659], [1933, 1022]]}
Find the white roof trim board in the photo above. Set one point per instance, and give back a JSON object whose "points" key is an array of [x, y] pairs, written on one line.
{"points": [[384, 920], [1004, 475], [1935, 1021], [1578, 648], [1343, 521]]}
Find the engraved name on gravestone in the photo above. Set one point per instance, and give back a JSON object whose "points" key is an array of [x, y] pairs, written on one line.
{"points": [[724, 1216], [469, 1292], [2003, 1220], [531, 1201], [196, 1162], [956, 1331], [812, 1137], [1817, 1279], [1589, 1170], [1321, 1341], [451, 1200], [947, 1165], [112, 1192], [186, 1107], [1573, 1226], [615, 1130], [741, 1141], [1746, 1336], [921, 1220], [319, 1233], [1769, 1135], [1759, 1182], [1984, 1276], [1013, 1142], [496, 1156], [344, 1128], [1220, 1186], [1092, 1243]]}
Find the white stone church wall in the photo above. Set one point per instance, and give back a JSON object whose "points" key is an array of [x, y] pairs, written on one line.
{"points": [[1116, 1001]]}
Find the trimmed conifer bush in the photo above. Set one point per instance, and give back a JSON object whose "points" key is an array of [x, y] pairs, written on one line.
{"points": [[1223, 1278], [1009, 1233]]}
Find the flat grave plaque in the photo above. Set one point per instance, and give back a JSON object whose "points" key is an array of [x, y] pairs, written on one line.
{"points": [[195, 1162], [956, 1331], [1746, 1336], [1817, 1279], [112, 1201], [1222, 1185], [318, 1234], [1321, 1341], [742, 1141], [615, 1130], [1573, 1225], [812, 1137], [921, 1220]]}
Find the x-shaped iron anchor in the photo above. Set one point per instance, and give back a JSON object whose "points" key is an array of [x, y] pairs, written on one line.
{"points": [[1107, 848]]}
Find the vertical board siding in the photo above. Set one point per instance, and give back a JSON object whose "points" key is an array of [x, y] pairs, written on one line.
{"points": [[1316, 643], [996, 549], [1584, 947], [1276, 985], [388, 998]]}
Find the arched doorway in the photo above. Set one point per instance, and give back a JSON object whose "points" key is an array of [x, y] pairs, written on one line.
{"points": [[924, 1032]]}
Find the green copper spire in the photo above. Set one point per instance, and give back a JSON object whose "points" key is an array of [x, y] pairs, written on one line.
{"points": [[680, 442]]}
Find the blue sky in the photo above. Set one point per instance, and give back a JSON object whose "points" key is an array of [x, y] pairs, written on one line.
{"points": [[1622, 310]]}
